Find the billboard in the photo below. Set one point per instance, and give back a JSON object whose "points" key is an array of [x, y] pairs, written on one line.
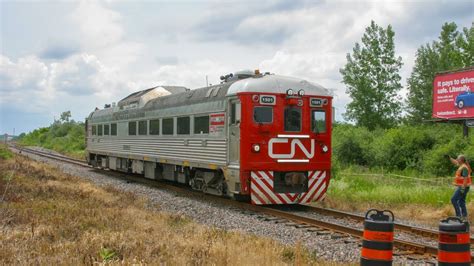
{"points": [[453, 95]]}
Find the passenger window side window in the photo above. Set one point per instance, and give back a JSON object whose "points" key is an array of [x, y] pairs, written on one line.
{"points": [[113, 129], [155, 127], [132, 128], [235, 113], [201, 125], [106, 130], [142, 127], [184, 125], [168, 127], [99, 130], [94, 130]]}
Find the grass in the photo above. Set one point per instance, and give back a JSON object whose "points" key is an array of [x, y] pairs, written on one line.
{"points": [[48, 217], [5, 153], [425, 201]]}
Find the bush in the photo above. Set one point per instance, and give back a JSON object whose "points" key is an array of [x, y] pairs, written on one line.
{"points": [[352, 145], [407, 148], [403, 147], [64, 137]]}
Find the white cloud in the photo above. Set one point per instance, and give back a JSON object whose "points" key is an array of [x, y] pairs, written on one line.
{"points": [[23, 83], [101, 33]]}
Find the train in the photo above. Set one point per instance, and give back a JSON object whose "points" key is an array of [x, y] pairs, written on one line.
{"points": [[257, 137]]}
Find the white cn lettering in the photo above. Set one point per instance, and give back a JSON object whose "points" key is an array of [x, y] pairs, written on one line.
{"points": [[294, 143]]}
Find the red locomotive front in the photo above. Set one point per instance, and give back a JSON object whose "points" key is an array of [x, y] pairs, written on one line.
{"points": [[285, 139]]}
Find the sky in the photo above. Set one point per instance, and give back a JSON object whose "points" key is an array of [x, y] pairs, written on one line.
{"points": [[77, 55]]}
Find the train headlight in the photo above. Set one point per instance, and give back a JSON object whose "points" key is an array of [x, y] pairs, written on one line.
{"points": [[301, 92], [290, 92], [256, 148], [325, 148]]}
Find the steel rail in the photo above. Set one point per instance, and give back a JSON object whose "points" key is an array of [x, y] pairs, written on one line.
{"points": [[401, 244], [398, 226]]}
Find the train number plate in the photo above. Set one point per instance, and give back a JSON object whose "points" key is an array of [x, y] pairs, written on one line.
{"points": [[318, 102], [267, 99]]}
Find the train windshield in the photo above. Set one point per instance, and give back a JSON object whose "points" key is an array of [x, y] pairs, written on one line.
{"points": [[263, 114], [293, 119], [318, 121]]}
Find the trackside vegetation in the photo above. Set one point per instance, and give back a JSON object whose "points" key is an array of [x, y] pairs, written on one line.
{"points": [[64, 135], [397, 168], [48, 217], [413, 150], [5, 153]]}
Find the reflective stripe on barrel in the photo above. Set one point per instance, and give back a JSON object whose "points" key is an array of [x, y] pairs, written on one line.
{"points": [[378, 236], [461, 238]]}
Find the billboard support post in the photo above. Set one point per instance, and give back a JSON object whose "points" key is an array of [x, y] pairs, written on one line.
{"points": [[465, 129]]}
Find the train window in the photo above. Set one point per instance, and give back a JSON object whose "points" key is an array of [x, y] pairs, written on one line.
{"points": [[168, 127], [263, 114], [106, 130], [132, 128], [201, 125], [99, 130], [293, 119], [155, 127], [113, 129], [235, 113], [184, 125], [142, 127], [94, 130], [318, 121]]}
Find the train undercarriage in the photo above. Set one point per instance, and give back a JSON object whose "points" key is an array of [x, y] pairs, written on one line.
{"points": [[200, 179]]}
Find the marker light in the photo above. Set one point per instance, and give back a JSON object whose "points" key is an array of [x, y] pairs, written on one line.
{"points": [[325, 148], [255, 98], [290, 92], [255, 148], [301, 92]]}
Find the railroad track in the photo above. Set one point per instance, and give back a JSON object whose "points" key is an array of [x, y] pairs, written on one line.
{"points": [[301, 221], [398, 226]]}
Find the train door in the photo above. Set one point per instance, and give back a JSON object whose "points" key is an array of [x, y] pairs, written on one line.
{"points": [[234, 131]]}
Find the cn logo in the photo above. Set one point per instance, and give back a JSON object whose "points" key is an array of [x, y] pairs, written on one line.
{"points": [[293, 144]]}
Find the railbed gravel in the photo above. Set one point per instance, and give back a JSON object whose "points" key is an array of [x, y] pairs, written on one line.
{"points": [[211, 214]]}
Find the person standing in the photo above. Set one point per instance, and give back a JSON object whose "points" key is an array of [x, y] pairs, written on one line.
{"points": [[462, 181]]}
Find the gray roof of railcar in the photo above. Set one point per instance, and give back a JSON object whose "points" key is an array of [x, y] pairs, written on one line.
{"points": [[277, 84], [261, 84]]}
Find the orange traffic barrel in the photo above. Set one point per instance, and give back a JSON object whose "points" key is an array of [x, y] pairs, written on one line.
{"points": [[377, 242], [454, 242]]}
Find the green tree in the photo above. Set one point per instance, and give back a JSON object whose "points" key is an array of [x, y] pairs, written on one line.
{"points": [[450, 57], [465, 42], [453, 50], [65, 116], [420, 84], [372, 79]]}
